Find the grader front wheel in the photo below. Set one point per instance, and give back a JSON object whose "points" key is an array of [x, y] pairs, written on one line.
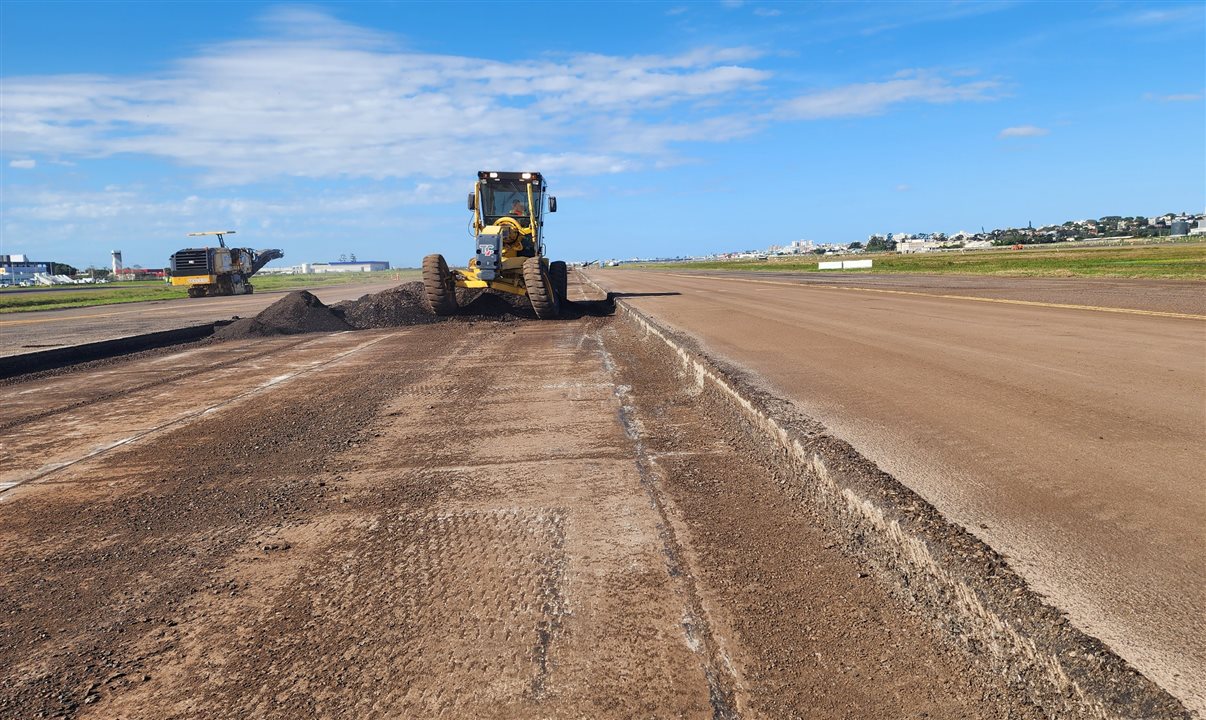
{"points": [[439, 285], [540, 289]]}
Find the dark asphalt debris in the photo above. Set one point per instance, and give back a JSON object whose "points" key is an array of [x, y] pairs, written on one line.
{"points": [[302, 312]]}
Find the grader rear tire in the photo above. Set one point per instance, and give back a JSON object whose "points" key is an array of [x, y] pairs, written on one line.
{"points": [[540, 289], [439, 285], [559, 275]]}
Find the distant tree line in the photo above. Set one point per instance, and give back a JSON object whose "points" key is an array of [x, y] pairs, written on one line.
{"points": [[880, 243]]}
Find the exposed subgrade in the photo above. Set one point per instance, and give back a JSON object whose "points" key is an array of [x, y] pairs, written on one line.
{"points": [[697, 631]]}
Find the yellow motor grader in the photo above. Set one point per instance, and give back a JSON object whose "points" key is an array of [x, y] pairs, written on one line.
{"points": [[508, 214]]}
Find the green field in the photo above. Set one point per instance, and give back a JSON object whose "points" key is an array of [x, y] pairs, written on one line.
{"points": [[146, 290], [1182, 261]]}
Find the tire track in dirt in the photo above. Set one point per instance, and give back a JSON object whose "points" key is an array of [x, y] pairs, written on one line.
{"points": [[718, 672]]}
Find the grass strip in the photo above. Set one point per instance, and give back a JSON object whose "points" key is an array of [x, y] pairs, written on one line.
{"points": [[1181, 261]]}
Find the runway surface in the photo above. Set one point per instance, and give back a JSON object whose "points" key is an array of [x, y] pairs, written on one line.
{"points": [[1060, 421], [33, 331]]}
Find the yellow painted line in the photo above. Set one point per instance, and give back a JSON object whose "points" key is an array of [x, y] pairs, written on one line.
{"points": [[1002, 301]]}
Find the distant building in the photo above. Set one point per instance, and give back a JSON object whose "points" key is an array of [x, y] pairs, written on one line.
{"points": [[137, 273], [354, 266], [302, 269], [1179, 227], [18, 268], [916, 245]]}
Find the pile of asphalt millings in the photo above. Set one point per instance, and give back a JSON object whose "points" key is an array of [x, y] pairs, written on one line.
{"points": [[302, 312], [297, 312], [405, 305]]}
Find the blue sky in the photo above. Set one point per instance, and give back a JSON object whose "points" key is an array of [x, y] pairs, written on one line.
{"points": [[664, 128]]}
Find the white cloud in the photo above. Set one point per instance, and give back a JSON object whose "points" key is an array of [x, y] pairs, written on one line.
{"points": [[133, 203], [26, 164], [677, 10], [301, 22], [842, 20], [1175, 97], [323, 99], [767, 12], [903, 187], [1024, 131], [876, 97], [1186, 14]]}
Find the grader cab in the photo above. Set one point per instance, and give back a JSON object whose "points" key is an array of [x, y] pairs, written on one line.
{"points": [[508, 217]]}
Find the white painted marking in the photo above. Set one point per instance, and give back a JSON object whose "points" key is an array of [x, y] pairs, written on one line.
{"points": [[115, 443], [844, 265]]}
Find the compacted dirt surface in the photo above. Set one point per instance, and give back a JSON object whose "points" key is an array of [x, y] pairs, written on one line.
{"points": [[1069, 439], [467, 519]]}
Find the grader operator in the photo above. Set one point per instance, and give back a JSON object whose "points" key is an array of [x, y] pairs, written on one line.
{"points": [[508, 217]]}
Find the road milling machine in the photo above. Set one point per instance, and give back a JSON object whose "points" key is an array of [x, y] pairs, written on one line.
{"points": [[508, 217], [218, 270]]}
